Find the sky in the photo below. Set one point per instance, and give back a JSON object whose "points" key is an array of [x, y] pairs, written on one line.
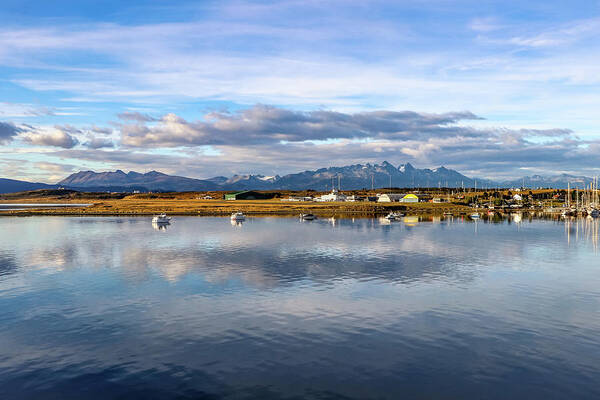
{"points": [[493, 89]]}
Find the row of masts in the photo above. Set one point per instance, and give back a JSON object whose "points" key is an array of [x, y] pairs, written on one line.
{"points": [[588, 198]]}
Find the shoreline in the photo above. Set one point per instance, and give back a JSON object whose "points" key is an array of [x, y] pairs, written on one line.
{"points": [[188, 207], [144, 207]]}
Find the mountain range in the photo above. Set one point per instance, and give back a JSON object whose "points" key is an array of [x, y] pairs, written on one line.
{"points": [[356, 176]]}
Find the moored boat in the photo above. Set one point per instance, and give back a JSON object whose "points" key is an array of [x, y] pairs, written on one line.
{"points": [[391, 216], [238, 216], [307, 217], [161, 219]]}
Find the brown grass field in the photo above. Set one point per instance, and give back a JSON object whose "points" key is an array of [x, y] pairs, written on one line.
{"points": [[187, 204]]}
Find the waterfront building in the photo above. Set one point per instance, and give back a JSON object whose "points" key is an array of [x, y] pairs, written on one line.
{"points": [[335, 195], [248, 195], [298, 198], [389, 197], [410, 198]]}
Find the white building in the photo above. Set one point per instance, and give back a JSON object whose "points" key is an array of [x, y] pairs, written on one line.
{"points": [[354, 198], [296, 198], [389, 197], [333, 196]]}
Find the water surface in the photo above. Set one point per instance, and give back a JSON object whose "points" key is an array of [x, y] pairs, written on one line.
{"points": [[108, 307], [26, 206]]}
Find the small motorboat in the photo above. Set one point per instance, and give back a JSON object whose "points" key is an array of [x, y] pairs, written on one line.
{"points": [[161, 219], [307, 217], [448, 214], [238, 216], [474, 216], [391, 216]]}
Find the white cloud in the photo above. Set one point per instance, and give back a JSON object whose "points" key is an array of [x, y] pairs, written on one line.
{"points": [[56, 137]]}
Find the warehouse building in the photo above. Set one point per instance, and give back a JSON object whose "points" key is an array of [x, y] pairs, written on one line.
{"points": [[410, 198], [389, 197], [248, 195]]}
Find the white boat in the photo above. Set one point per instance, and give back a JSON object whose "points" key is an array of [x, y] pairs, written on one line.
{"points": [[238, 216], [474, 216], [161, 219], [307, 217], [391, 216]]}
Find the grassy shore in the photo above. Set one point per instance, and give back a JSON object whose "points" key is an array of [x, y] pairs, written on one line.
{"points": [[190, 203], [179, 205]]}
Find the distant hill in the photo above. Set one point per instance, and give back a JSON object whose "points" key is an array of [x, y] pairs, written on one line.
{"points": [[554, 181], [151, 181], [11, 186]]}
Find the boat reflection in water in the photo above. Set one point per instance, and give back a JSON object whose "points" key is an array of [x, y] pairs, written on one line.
{"points": [[517, 218], [384, 221], [237, 222], [583, 229], [160, 226]]}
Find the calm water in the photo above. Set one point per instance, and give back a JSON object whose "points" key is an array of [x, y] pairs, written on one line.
{"points": [[25, 206], [102, 308]]}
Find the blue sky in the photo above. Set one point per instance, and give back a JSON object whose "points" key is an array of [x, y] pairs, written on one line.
{"points": [[493, 89]]}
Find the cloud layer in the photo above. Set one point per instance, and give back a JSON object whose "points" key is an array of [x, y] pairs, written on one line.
{"points": [[268, 124], [8, 131], [269, 139]]}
